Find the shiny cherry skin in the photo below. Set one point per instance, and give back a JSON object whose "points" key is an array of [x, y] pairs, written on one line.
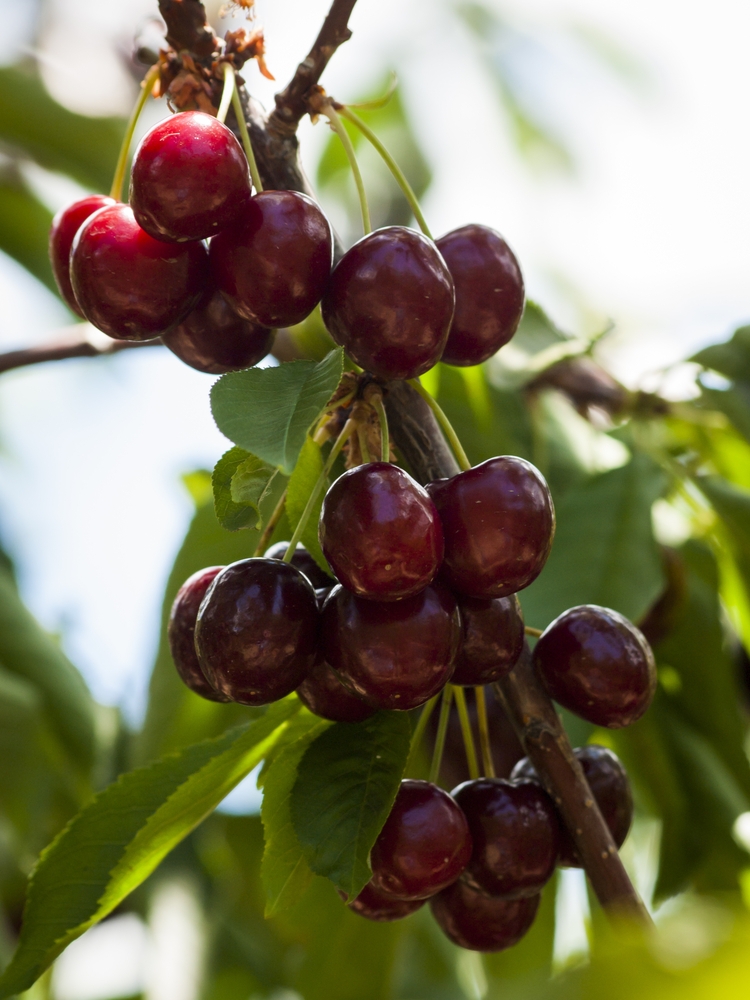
{"points": [[498, 524], [492, 639], [506, 747], [394, 654], [129, 285], [424, 845], [189, 178], [273, 264], [516, 836], [597, 664], [489, 293], [65, 225], [215, 340], [373, 904], [482, 923], [304, 562], [181, 632], [381, 533], [609, 784], [389, 303], [256, 632], [323, 694]]}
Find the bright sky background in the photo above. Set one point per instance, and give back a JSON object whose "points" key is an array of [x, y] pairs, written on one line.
{"points": [[651, 231]]}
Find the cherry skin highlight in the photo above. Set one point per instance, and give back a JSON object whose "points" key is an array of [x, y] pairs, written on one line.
{"points": [[492, 639], [482, 923], [395, 655], [129, 285], [304, 562], [181, 632], [324, 694], [256, 632], [498, 524], [190, 177], [380, 532], [597, 664], [424, 844], [489, 293], [65, 225], [373, 904], [274, 262], [389, 303]]}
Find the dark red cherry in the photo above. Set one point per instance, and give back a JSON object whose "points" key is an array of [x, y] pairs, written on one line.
{"points": [[215, 340], [506, 747], [498, 523], [181, 632], [597, 664], [492, 639], [324, 694], [489, 293], [609, 784], [389, 303], [424, 845], [380, 532], [274, 262], [394, 655], [190, 177], [304, 562], [65, 225], [482, 923], [516, 836], [256, 631], [373, 904], [130, 285]]}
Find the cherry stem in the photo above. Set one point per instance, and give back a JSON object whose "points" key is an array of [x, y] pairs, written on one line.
{"points": [[437, 756], [362, 437], [239, 114], [463, 716], [442, 419], [416, 739], [273, 520], [484, 733], [338, 126], [529, 630], [385, 441], [394, 168], [147, 86], [349, 427], [227, 92]]}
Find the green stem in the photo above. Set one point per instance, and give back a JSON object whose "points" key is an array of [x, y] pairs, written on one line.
{"points": [[444, 422], [122, 160], [385, 441], [273, 520], [530, 630], [394, 168], [463, 715], [365, 451], [245, 136], [484, 733], [338, 126], [227, 92], [437, 756], [416, 739]]}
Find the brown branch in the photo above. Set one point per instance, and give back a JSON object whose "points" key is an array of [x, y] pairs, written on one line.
{"points": [[187, 27], [71, 343]]}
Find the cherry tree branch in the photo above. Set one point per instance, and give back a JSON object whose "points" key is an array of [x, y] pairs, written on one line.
{"points": [[73, 342]]}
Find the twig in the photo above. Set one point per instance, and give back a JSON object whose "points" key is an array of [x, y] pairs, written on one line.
{"points": [[74, 342]]}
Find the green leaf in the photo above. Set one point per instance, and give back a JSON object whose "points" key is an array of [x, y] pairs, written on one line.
{"points": [[731, 359], [240, 483], [346, 783], [24, 226], [268, 411], [120, 837], [306, 474]]}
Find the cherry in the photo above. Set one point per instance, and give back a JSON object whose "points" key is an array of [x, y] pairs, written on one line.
{"points": [[128, 284], [492, 639], [609, 784], [181, 632], [389, 303], [65, 225], [274, 262], [516, 836], [489, 293], [304, 562], [424, 845], [506, 747], [380, 532], [482, 923], [373, 904], [498, 522], [189, 178], [215, 340], [394, 655], [256, 631], [597, 664], [324, 694]]}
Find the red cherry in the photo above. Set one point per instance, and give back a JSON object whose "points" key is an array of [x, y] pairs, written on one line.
{"points": [[373, 904], [498, 524], [304, 562], [394, 655], [324, 694], [482, 923], [274, 263], [492, 639], [489, 293], [181, 632], [189, 178], [597, 664], [65, 225], [130, 285], [381, 533], [389, 303], [256, 632], [424, 845]]}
